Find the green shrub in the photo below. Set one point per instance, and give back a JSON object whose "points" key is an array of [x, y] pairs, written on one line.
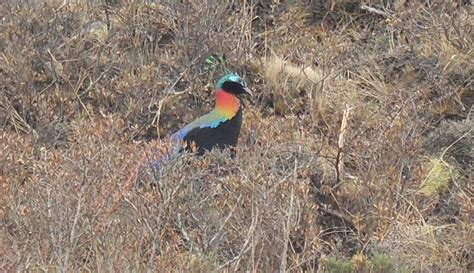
{"points": [[337, 265], [382, 263]]}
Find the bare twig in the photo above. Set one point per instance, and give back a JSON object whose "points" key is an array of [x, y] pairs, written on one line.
{"points": [[246, 246], [221, 228], [16, 120], [374, 10], [78, 97], [73, 228], [287, 227], [335, 213], [340, 146]]}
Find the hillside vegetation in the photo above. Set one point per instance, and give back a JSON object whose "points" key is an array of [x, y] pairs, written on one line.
{"points": [[355, 154]]}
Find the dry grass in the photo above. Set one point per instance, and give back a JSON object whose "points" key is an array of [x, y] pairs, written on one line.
{"points": [[355, 154]]}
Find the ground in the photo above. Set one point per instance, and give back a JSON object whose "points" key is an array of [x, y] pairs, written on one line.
{"points": [[355, 154]]}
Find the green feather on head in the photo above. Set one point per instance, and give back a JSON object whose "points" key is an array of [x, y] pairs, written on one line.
{"points": [[230, 76]]}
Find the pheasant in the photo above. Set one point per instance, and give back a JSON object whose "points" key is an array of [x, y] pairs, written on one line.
{"points": [[220, 128]]}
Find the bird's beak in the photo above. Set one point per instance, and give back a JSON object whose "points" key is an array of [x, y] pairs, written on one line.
{"points": [[248, 91]]}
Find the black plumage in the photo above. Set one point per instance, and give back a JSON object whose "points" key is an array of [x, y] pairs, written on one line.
{"points": [[223, 136]]}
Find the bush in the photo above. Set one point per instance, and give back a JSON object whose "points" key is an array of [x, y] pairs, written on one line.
{"points": [[354, 106]]}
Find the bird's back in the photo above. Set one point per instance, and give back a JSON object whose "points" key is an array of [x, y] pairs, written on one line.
{"points": [[224, 135]]}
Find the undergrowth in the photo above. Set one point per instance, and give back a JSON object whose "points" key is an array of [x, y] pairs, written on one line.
{"points": [[355, 153]]}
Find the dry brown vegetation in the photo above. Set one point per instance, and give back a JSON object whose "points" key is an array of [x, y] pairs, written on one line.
{"points": [[355, 155]]}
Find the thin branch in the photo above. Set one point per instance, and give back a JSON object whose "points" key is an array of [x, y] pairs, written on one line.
{"points": [[376, 11], [221, 228], [246, 246], [341, 145], [287, 227]]}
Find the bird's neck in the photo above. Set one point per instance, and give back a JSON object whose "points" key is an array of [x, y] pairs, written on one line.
{"points": [[227, 104]]}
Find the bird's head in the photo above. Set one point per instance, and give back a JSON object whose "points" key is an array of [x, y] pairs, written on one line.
{"points": [[233, 84]]}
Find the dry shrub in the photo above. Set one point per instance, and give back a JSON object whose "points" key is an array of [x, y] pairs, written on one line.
{"points": [[448, 250], [287, 82], [349, 106], [452, 139], [57, 198]]}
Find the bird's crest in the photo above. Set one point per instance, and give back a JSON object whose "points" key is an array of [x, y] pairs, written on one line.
{"points": [[231, 76]]}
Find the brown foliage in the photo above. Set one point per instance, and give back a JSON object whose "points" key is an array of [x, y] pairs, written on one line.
{"points": [[351, 102]]}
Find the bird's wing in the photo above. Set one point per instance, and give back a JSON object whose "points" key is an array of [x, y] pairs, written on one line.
{"points": [[209, 120]]}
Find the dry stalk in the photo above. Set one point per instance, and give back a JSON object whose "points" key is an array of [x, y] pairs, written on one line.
{"points": [[340, 146], [376, 11], [284, 255], [75, 89], [246, 246], [16, 120], [287, 226], [221, 228]]}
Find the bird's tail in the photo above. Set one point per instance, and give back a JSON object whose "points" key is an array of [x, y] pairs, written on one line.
{"points": [[157, 165]]}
